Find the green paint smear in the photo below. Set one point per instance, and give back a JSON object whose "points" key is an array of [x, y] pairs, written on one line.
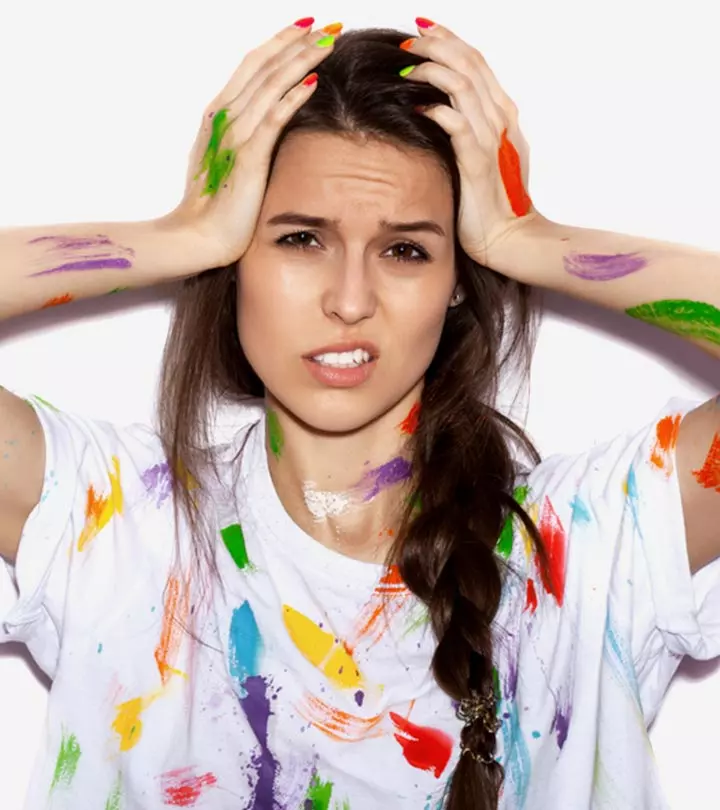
{"points": [[113, 801], [318, 794], [234, 540], [418, 618], [692, 319], [67, 762], [505, 542], [275, 434], [496, 683], [217, 163], [118, 289], [45, 402]]}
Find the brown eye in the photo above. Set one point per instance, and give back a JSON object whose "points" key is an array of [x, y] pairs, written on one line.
{"points": [[409, 252], [298, 239]]}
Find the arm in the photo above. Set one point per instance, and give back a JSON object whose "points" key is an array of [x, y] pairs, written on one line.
{"points": [[672, 286]]}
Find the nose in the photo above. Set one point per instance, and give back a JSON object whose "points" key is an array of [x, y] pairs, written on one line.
{"points": [[350, 295]]}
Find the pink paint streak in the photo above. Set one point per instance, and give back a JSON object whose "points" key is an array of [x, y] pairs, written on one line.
{"points": [[181, 788]]}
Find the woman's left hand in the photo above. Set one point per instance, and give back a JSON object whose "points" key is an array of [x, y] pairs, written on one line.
{"points": [[492, 154]]}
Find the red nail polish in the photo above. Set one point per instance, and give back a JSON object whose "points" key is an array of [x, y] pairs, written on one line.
{"points": [[423, 22], [407, 44], [310, 80], [304, 22]]}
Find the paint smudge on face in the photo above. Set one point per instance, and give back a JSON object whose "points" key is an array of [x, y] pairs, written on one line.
{"points": [[425, 748], [275, 434], [244, 645], [322, 649], [175, 615], [182, 788], [337, 724], [603, 267], [57, 301], [708, 476], [531, 600], [67, 761], [323, 505], [114, 800], [386, 475], [689, 319], [256, 706], [511, 174], [554, 543], [387, 599], [667, 431], [128, 724], [234, 540], [100, 509], [319, 794], [561, 722], [83, 253], [217, 163], [410, 422], [158, 481]]}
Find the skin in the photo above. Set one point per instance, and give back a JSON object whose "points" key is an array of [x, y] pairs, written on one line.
{"points": [[346, 283]]}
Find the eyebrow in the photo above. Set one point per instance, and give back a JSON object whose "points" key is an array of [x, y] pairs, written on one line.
{"points": [[307, 221]]}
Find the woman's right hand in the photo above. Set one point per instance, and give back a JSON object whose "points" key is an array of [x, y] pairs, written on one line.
{"points": [[230, 160]]}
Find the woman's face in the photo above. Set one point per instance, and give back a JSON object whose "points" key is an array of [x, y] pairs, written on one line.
{"points": [[343, 292]]}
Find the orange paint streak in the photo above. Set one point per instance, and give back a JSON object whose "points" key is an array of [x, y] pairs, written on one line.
{"points": [[386, 601], [177, 608], [99, 509], [56, 302], [531, 601], [410, 422], [555, 542], [337, 724], [667, 430], [511, 173], [708, 475]]}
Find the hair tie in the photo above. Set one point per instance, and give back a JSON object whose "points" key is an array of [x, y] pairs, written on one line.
{"points": [[479, 707]]}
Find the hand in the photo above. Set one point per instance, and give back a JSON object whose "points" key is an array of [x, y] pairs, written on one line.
{"points": [[491, 152], [230, 159]]}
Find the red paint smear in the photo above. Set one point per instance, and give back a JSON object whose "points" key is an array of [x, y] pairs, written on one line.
{"points": [[410, 422], [427, 749], [177, 605], [182, 789], [554, 543], [511, 173], [531, 602], [55, 302], [708, 475], [667, 430]]}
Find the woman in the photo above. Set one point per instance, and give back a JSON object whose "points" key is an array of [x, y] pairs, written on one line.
{"points": [[360, 599]]}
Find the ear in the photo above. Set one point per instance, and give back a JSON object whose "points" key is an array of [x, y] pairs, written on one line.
{"points": [[458, 296]]}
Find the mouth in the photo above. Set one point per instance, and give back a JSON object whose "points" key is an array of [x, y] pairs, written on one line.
{"points": [[344, 355]]}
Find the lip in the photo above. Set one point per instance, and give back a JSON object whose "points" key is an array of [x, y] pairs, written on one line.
{"points": [[346, 346]]}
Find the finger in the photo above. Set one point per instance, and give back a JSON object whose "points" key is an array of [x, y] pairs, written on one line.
{"points": [[442, 45], [485, 118], [457, 126]]}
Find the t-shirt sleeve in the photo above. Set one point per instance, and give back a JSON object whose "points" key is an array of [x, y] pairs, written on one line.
{"points": [[618, 581], [82, 542]]}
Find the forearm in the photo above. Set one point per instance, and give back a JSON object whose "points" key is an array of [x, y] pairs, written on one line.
{"points": [[675, 287], [49, 265]]}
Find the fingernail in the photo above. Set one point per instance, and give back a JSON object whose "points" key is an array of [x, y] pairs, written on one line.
{"points": [[407, 44], [325, 42], [334, 28], [406, 71], [310, 79], [304, 22], [423, 22]]}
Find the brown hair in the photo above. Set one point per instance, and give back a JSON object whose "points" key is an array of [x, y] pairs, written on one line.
{"points": [[462, 450]]}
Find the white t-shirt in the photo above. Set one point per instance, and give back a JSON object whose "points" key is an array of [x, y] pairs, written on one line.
{"points": [[307, 684]]}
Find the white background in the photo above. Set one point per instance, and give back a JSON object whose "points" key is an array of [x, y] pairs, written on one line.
{"points": [[619, 100]]}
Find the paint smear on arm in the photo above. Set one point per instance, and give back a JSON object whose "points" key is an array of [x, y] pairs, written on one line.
{"points": [[603, 267], [708, 476], [689, 319], [511, 173], [78, 254]]}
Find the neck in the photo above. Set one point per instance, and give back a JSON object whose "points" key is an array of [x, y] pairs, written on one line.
{"points": [[347, 490]]}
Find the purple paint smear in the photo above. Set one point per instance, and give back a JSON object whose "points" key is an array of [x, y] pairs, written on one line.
{"points": [[561, 723], [99, 260], [158, 481], [256, 706], [393, 472], [601, 267]]}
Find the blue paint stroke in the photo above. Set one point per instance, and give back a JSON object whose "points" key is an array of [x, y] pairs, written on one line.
{"points": [[517, 756], [580, 512], [244, 646]]}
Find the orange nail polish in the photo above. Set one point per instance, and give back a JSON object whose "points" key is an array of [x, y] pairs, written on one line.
{"points": [[304, 22], [310, 79], [423, 22], [334, 28], [407, 44]]}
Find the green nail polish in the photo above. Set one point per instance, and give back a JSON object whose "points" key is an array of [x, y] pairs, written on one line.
{"points": [[325, 42], [406, 71]]}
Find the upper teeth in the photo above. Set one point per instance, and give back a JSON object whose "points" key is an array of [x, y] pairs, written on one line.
{"points": [[354, 358]]}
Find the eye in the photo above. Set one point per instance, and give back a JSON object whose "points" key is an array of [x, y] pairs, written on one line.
{"points": [[287, 241], [403, 252]]}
